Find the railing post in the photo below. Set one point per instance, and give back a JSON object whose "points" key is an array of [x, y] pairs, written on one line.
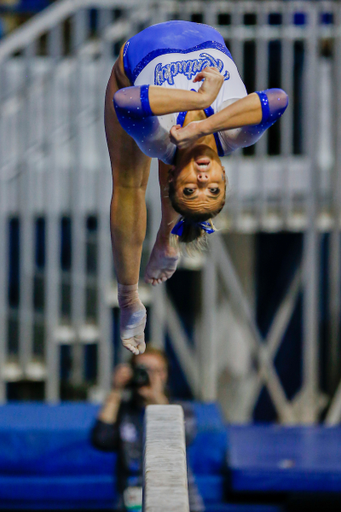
{"points": [[208, 348], [158, 314], [262, 82], [53, 232], [311, 236], [27, 233], [287, 77], [4, 238], [78, 208], [4, 268], [335, 256], [238, 56], [106, 346]]}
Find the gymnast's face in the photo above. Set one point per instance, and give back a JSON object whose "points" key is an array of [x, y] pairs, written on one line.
{"points": [[199, 180]]}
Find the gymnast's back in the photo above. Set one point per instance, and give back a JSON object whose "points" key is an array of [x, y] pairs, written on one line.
{"points": [[170, 55], [173, 53]]}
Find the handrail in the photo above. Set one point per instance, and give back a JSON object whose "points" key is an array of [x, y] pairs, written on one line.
{"points": [[37, 26], [49, 18], [61, 10]]}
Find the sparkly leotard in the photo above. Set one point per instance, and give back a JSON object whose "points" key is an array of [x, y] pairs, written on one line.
{"points": [[170, 55]]}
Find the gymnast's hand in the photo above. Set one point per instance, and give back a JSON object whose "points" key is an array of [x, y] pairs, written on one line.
{"points": [[213, 81], [185, 137], [133, 317]]}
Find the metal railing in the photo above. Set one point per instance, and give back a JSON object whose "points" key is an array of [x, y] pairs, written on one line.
{"points": [[55, 178]]}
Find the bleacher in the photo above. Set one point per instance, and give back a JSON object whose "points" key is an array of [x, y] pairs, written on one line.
{"points": [[47, 462]]}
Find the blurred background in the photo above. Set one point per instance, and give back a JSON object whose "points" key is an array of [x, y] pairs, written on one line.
{"points": [[253, 324], [15, 12]]}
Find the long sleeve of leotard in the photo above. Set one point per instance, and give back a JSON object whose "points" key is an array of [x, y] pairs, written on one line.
{"points": [[136, 118], [274, 102]]}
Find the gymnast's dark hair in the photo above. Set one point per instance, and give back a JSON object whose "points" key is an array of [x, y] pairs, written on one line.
{"points": [[191, 230]]}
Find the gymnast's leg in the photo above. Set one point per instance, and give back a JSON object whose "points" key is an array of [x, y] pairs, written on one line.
{"points": [[164, 257], [130, 171]]}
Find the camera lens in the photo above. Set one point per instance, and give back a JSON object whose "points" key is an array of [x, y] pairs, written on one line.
{"points": [[140, 377]]}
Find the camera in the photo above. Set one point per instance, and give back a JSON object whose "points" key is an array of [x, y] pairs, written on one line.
{"points": [[140, 377]]}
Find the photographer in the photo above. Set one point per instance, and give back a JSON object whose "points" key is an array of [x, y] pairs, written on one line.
{"points": [[119, 426]]}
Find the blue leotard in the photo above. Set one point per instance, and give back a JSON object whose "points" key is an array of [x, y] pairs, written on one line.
{"points": [[170, 55]]}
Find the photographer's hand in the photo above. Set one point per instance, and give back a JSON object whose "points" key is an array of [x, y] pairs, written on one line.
{"points": [[122, 375]]}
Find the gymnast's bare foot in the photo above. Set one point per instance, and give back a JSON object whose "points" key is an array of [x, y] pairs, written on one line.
{"points": [[162, 262]]}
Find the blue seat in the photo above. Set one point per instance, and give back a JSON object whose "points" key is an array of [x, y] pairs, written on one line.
{"points": [[46, 460], [38, 439], [272, 458], [211, 488], [60, 492], [240, 507], [208, 451], [81, 491]]}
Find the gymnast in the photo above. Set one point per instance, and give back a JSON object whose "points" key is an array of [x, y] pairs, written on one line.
{"points": [[174, 94]]}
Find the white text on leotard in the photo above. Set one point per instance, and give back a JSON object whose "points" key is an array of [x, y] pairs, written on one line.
{"points": [[189, 68]]}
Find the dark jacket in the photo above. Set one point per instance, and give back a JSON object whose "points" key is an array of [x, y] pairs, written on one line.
{"points": [[126, 438]]}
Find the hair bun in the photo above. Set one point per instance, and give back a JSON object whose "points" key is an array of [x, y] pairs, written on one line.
{"points": [[189, 230]]}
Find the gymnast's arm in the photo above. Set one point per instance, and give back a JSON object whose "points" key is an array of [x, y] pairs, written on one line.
{"points": [[153, 100], [138, 107], [254, 114], [105, 434]]}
